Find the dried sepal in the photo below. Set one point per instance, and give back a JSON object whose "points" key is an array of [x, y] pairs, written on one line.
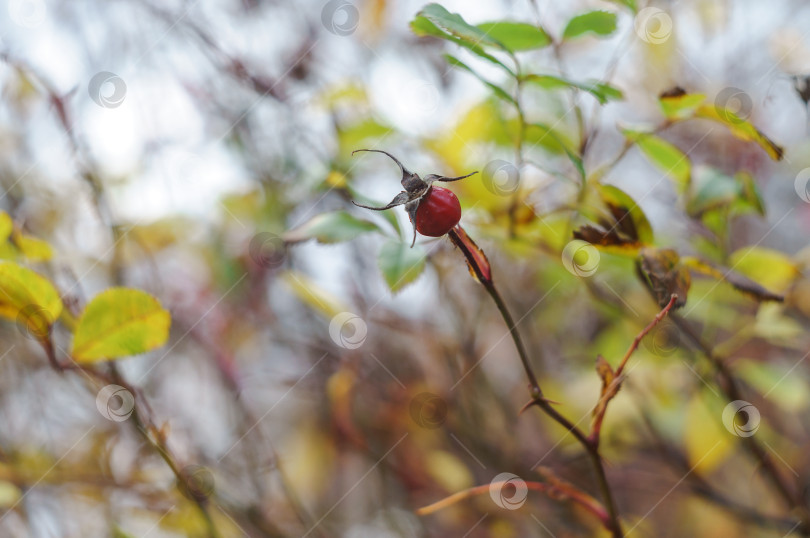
{"points": [[415, 191], [399, 199], [430, 178], [412, 182]]}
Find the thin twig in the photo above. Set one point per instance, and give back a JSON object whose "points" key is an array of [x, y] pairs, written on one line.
{"points": [[475, 259], [612, 388], [584, 500], [730, 387]]}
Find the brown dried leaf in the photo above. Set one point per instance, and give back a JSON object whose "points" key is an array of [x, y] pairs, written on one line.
{"points": [[605, 237], [609, 389], [665, 275]]}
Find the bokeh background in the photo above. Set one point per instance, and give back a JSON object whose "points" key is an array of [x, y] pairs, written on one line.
{"points": [[180, 147]]}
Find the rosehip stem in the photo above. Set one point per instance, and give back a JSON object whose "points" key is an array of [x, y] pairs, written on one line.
{"points": [[479, 267]]}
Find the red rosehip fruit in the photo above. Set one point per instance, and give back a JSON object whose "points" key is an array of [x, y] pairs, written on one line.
{"points": [[439, 211]]}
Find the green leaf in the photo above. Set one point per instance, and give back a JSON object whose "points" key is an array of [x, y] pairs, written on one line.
{"points": [[603, 92], [6, 225], [422, 26], [333, 227], [500, 92], [400, 264], [120, 322], [600, 23], [715, 190], [29, 298], [352, 136], [516, 36], [669, 159], [750, 196], [552, 140], [454, 24], [614, 196]]}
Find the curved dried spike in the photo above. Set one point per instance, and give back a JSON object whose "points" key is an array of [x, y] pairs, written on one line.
{"points": [[399, 199], [401, 167], [411, 208], [433, 177]]}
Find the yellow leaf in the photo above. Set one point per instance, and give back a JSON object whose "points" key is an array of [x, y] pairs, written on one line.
{"points": [[448, 471], [707, 442], [6, 225], [29, 298], [36, 250], [313, 295], [9, 494], [8, 251], [120, 322], [769, 268], [336, 179], [308, 454], [483, 123]]}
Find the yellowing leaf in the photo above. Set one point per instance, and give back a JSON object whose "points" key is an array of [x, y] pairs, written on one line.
{"points": [[737, 280], [741, 128], [770, 268], [28, 297], [677, 104], [120, 322], [617, 198]]}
